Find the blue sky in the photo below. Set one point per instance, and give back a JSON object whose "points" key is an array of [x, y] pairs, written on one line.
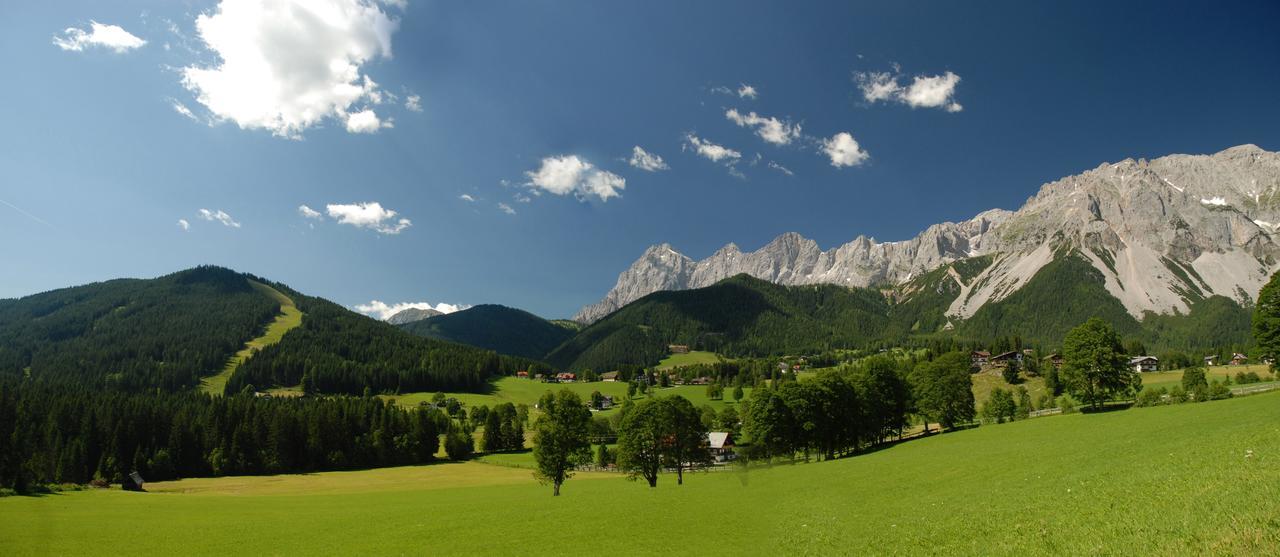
{"points": [[977, 106]]}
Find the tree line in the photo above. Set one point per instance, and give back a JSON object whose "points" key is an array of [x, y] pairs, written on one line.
{"points": [[67, 434]]}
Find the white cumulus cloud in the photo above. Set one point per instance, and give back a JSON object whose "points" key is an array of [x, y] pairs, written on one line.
{"points": [[365, 121], [112, 37], [843, 150], [770, 129], [711, 151], [219, 216], [383, 311], [747, 92], [937, 91], [183, 224], [287, 65], [308, 212], [645, 160], [369, 215], [571, 174]]}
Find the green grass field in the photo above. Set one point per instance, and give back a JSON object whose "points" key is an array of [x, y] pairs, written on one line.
{"points": [[528, 391], [1172, 480], [1168, 379], [691, 358], [289, 318]]}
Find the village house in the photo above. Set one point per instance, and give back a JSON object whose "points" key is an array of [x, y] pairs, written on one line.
{"points": [[1239, 359], [609, 377], [566, 377], [979, 357], [678, 348], [1210, 360], [720, 445], [1143, 364], [1054, 360], [522, 374], [1006, 357], [700, 381]]}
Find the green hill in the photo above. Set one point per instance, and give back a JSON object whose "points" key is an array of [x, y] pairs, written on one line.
{"points": [[133, 334], [738, 316], [492, 327], [171, 332]]}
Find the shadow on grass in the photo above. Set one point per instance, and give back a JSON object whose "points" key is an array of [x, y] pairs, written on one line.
{"points": [[1107, 407]]}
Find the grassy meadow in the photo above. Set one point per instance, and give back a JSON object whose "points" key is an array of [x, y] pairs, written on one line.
{"points": [[528, 391], [688, 359], [1171, 480], [1168, 379], [289, 318]]}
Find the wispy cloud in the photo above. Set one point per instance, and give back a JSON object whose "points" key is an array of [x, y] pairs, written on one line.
{"points": [[184, 225], [506, 209], [646, 161], [413, 103], [99, 35], [467, 197], [219, 216], [310, 213], [747, 92], [781, 168], [711, 151], [937, 91], [770, 129]]}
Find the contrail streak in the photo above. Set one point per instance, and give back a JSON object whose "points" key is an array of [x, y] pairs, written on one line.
{"points": [[33, 217]]}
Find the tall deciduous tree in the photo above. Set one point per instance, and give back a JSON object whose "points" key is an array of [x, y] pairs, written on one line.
{"points": [[1266, 320], [641, 437], [687, 435], [944, 390], [1095, 368], [561, 438]]}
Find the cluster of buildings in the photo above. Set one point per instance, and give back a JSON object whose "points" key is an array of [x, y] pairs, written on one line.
{"points": [[1141, 364]]}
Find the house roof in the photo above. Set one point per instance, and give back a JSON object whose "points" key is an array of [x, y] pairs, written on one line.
{"points": [[718, 439], [609, 375], [981, 353], [1004, 355], [1141, 359]]}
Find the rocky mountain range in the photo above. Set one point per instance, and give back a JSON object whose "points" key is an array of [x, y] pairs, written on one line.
{"points": [[412, 314], [1164, 233]]}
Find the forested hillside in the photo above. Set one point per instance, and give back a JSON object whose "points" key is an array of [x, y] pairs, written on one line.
{"points": [[499, 328], [132, 334], [737, 317], [339, 351], [744, 316], [142, 334]]}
